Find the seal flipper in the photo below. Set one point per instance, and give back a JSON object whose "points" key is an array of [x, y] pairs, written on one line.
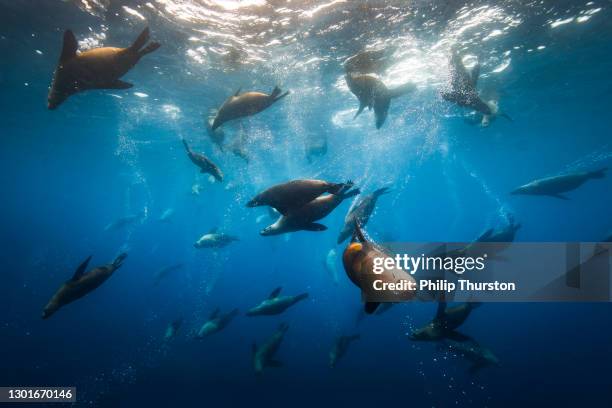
{"points": [[362, 106], [116, 84], [559, 196], [80, 271], [275, 292], [370, 307], [70, 46], [141, 40], [149, 49]]}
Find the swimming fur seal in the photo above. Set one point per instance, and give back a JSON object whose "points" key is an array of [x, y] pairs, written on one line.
{"points": [[263, 356], [340, 347], [98, 68], [214, 239], [246, 104], [172, 329], [81, 284], [360, 213], [204, 163], [358, 260], [294, 194], [445, 323], [462, 90], [305, 217], [367, 62], [215, 323], [555, 186], [275, 304], [373, 93]]}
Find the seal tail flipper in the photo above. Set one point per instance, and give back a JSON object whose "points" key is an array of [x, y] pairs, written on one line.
{"points": [[361, 108], [381, 191], [69, 47], [597, 174], [275, 94], [149, 48], [142, 39], [119, 260]]}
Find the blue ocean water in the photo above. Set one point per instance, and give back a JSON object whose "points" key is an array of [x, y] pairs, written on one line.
{"points": [[69, 173]]}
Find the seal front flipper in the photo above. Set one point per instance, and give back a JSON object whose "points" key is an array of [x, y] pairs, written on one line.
{"points": [[117, 84], [275, 292], [81, 269], [70, 46], [313, 226], [370, 307]]}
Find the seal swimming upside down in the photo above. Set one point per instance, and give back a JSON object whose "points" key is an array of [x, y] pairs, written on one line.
{"points": [[275, 304], [263, 356], [98, 68], [204, 163], [246, 104], [81, 284], [557, 185], [294, 194]]}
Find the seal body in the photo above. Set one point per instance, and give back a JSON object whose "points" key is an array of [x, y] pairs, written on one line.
{"points": [[204, 163], [340, 348], [214, 239], [263, 356], [81, 284], [275, 304], [360, 213], [294, 194], [555, 186], [98, 68], [215, 323], [246, 104]]}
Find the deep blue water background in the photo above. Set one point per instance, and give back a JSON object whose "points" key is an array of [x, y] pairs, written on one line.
{"points": [[66, 174]]}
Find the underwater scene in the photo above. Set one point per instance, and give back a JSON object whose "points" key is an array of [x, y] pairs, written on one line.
{"points": [[192, 191]]}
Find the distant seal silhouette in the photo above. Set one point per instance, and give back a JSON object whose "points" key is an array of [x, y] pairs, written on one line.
{"points": [[294, 194], [263, 356], [215, 323], [172, 329], [373, 93], [246, 104], [340, 348], [471, 350], [81, 284], [305, 217], [204, 163], [275, 303], [445, 323], [214, 239], [360, 213], [98, 68], [557, 185]]}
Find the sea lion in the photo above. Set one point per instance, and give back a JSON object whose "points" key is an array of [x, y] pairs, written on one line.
{"points": [[445, 323], [215, 323], [373, 93], [172, 329], [367, 62], [358, 260], [461, 90], [478, 355], [246, 104], [340, 347], [275, 304], [166, 215], [263, 356], [294, 194], [360, 213], [204, 163], [162, 273], [98, 68], [81, 284], [555, 186], [305, 217], [214, 239]]}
